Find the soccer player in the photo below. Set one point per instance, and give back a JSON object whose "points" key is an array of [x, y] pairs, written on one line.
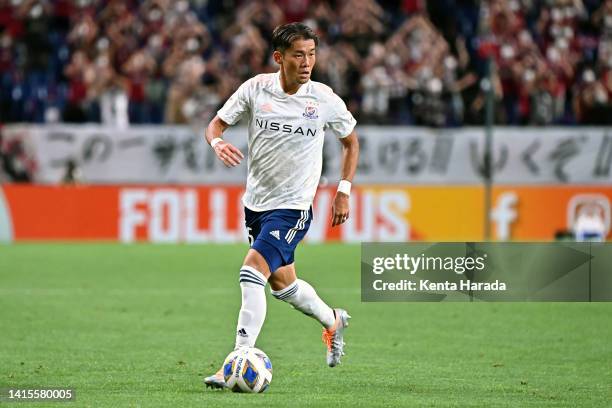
{"points": [[287, 115]]}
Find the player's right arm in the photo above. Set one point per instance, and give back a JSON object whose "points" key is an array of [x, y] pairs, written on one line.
{"points": [[234, 108], [229, 154]]}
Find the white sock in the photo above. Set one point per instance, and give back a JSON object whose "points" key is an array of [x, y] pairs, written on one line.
{"points": [[253, 309], [303, 297]]}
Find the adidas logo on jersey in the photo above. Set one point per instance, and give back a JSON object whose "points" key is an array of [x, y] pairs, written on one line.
{"points": [[275, 234]]}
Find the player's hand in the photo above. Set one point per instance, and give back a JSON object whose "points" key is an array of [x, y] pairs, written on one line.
{"points": [[340, 209], [229, 154]]}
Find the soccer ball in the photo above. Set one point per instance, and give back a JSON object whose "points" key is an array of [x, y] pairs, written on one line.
{"points": [[247, 370]]}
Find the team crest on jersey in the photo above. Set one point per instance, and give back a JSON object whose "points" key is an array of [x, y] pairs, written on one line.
{"points": [[311, 111]]}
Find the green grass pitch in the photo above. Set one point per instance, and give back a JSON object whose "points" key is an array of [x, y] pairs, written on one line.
{"points": [[140, 325]]}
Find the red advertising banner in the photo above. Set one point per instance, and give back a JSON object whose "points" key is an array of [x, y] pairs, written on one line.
{"points": [[215, 213], [540, 212]]}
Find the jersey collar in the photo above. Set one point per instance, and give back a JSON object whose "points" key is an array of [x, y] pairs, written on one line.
{"points": [[279, 89]]}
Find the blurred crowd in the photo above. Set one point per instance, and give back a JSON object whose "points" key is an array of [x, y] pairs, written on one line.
{"points": [[412, 62]]}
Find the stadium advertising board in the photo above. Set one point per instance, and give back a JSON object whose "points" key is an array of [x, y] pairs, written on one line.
{"points": [[540, 213], [390, 155], [214, 213]]}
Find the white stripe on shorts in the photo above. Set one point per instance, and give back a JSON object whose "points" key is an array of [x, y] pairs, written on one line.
{"points": [[298, 227]]}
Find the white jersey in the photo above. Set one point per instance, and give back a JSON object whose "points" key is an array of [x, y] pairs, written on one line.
{"points": [[285, 138]]}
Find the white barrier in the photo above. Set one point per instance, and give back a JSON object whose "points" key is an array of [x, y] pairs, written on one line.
{"points": [[390, 155]]}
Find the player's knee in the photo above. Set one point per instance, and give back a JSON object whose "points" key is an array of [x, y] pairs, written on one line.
{"points": [[282, 278], [257, 261]]}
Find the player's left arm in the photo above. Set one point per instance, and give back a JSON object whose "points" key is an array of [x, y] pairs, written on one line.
{"points": [[350, 157]]}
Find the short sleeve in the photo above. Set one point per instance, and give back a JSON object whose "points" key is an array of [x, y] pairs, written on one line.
{"points": [[236, 106], [341, 121]]}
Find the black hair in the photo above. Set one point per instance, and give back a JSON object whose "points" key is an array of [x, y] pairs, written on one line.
{"points": [[284, 35]]}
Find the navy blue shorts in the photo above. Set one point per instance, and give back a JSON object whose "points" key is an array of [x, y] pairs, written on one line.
{"points": [[276, 233]]}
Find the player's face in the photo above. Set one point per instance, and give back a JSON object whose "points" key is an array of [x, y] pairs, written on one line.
{"points": [[298, 61]]}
